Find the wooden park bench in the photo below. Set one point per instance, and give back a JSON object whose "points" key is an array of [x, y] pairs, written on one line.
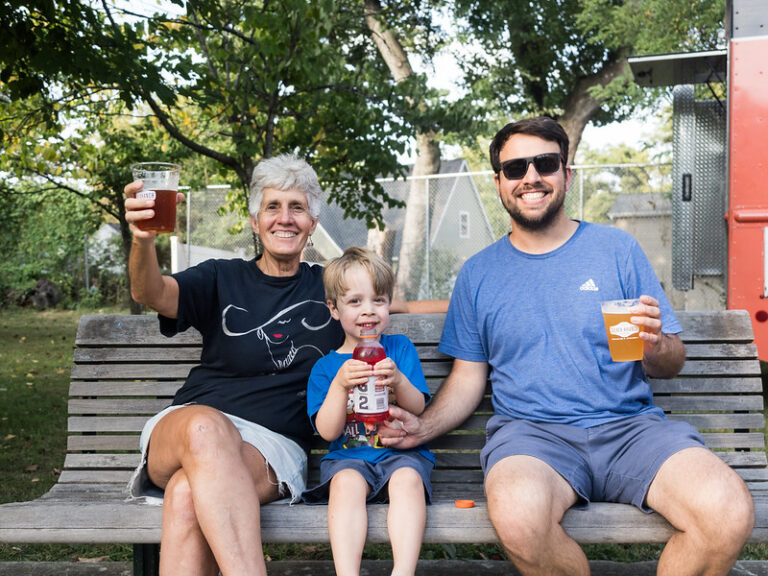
{"points": [[124, 371]]}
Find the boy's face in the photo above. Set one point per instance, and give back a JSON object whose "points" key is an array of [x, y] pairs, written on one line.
{"points": [[360, 307]]}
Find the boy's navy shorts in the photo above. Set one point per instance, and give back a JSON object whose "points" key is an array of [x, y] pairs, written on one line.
{"points": [[376, 474], [612, 462]]}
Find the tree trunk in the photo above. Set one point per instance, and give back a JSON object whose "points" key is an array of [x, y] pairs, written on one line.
{"points": [[413, 245], [581, 106], [382, 242], [125, 241]]}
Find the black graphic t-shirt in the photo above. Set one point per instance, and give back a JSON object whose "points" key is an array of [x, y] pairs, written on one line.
{"points": [[261, 337]]}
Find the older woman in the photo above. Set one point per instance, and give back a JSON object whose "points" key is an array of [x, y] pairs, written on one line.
{"points": [[237, 433]]}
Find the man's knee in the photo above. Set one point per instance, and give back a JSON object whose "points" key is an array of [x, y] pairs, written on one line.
{"points": [[526, 502], [732, 513], [701, 495]]}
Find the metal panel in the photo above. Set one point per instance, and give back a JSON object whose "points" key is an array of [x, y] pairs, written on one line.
{"points": [[709, 200], [748, 174], [749, 18], [684, 124], [676, 69]]}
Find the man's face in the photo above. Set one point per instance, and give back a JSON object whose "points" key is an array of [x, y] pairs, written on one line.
{"points": [[533, 201]]}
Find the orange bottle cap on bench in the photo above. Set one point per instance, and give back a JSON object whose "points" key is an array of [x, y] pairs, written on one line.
{"points": [[464, 503]]}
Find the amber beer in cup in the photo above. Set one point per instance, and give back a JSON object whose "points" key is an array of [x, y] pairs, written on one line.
{"points": [[160, 183], [623, 337]]}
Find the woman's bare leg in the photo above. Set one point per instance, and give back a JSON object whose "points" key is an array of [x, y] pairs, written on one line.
{"points": [[227, 481]]}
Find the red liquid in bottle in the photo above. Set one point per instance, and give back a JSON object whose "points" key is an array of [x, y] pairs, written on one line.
{"points": [[371, 400]]}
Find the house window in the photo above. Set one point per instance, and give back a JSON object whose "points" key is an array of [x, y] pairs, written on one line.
{"points": [[463, 224]]}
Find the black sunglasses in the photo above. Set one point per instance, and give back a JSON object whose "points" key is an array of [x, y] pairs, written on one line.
{"points": [[545, 164]]}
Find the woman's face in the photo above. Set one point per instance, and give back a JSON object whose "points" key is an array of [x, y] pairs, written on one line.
{"points": [[283, 223]]}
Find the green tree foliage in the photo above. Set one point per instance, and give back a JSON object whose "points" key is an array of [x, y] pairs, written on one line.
{"points": [[42, 237], [286, 76], [567, 58]]}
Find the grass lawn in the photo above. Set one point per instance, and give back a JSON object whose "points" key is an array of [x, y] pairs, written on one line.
{"points": [[35, 360]]}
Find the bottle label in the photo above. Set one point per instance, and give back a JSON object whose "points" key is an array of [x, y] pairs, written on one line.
{"points": [[371, 397]]}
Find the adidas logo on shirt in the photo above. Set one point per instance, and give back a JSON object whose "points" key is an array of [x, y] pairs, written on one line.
{"points": [[589, 286]]}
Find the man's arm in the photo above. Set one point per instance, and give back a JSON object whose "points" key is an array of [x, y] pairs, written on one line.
{"points": [[456, 399], [666, 358], [664, 354]]}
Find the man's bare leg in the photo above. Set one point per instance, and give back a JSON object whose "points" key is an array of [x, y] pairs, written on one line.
{"points": [[526, 502], [711, 508]]}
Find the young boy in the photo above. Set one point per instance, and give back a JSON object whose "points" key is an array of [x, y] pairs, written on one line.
{"points": [[358, 289]]}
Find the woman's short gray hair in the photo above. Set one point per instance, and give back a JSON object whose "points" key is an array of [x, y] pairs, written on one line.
{"points": [[285, 172]]}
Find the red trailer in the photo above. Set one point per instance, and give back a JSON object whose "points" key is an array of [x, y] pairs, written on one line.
{"points": [[720, 201]]}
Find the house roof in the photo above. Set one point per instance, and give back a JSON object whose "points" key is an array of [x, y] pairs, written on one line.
{"points": [[353, 232], [640, 206]]}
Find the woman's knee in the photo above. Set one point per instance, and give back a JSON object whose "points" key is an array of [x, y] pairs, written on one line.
{"points": [[209, 433], [177, 500]]}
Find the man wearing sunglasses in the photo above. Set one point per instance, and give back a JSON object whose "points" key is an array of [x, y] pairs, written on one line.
{"points": [[571, 426]]}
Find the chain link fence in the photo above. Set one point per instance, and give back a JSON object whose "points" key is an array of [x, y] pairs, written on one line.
{"points": [[448, 217]]}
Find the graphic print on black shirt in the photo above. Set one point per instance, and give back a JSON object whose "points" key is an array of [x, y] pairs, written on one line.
{"points": [[283, 333]]}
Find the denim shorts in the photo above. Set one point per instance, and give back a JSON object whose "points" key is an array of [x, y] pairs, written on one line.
{"points": [[376, 474], [283, 455], [612, 462]]}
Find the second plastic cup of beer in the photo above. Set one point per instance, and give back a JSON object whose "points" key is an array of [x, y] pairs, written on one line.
{"points": [[623, 337], [160, 183]]}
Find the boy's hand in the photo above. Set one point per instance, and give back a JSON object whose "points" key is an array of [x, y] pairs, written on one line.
{"points": [[388, 373], [353, 373]]}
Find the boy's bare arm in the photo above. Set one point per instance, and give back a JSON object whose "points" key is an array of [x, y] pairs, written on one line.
{"points": [[406, 394], [332, 415]]}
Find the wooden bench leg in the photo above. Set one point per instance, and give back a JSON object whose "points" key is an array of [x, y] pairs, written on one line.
{"points": [[146, 559]]}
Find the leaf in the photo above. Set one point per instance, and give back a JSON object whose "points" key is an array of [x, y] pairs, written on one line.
{"points": [[31, 468], [9, 437]]}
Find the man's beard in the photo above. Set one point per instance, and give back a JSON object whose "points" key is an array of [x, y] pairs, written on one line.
{"points": [[540, 222]]}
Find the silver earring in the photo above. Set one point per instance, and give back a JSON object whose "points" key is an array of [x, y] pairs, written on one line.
{"points": [[258, 248], [309, 242]]}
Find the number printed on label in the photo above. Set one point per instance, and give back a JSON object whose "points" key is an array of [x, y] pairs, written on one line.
{"points": [[146, 195]]}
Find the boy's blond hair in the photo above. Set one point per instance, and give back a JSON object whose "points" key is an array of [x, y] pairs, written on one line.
{"points": [[381, 274]]}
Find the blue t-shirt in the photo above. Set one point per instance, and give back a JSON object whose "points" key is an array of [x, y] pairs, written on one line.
{"points": [[403, 353], [536, 320]]}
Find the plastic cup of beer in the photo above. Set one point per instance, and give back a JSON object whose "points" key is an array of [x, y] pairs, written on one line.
{"points": [[623, 337], [160, 183]]}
